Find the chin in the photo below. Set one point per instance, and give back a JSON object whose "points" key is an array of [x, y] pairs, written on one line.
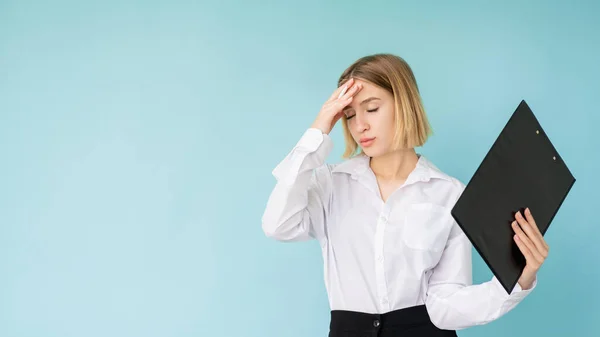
{"points": [[373, 151]]}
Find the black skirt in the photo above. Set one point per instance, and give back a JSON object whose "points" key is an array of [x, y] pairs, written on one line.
{"points": [[408, 322]]}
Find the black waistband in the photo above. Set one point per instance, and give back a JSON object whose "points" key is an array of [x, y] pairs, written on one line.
{"points": [[416, 319]]}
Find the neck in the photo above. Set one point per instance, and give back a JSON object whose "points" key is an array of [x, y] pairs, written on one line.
{"points": [[394, 166]]}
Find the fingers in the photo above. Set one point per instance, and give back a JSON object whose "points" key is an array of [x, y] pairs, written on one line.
{"points": [[343, 92], [531, 221], [345, 98], [533, 234], [339, 104], [338, 91], [350, 93], [529, 257], [522, 237]]}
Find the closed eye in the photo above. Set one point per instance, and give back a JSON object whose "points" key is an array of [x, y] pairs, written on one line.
{"points": [[372, 110]]}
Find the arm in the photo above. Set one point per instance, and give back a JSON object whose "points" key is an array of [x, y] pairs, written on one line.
{"points": [[298, 205], [453, 302]]}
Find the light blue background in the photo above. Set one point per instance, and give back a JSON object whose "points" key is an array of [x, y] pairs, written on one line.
{"points": [[137, 141]]}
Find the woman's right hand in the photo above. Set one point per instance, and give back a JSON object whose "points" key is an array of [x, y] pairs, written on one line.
{"points": [[331, 111]]}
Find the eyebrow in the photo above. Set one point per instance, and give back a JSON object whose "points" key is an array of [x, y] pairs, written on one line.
{"points": [[372, 98]]}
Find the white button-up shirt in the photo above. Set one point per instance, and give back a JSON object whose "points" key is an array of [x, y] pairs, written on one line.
{"points": [[382, 256]]}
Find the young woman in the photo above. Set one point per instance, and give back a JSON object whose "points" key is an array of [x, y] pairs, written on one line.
{"points": [[395, 261]]}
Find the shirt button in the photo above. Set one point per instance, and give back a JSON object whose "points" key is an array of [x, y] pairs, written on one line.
{"points": [[380, 258], [376, 323]]}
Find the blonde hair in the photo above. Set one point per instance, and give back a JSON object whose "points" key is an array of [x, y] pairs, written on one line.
{"points": [[393, 74]]}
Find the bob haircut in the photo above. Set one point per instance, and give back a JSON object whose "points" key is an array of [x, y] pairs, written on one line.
{"points": [[393, 74]]}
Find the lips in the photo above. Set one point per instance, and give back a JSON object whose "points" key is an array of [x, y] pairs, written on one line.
{"points": [[366, 141]]}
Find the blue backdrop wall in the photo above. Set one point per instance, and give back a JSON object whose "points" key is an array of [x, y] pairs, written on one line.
{"points": [[137, 140]]}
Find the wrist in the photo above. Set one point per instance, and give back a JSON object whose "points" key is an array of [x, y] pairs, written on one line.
{"points": [[320, 126], [526, 282]]}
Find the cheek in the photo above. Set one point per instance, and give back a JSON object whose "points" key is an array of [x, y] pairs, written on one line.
{"points": [[384, 124], [351, 128]]}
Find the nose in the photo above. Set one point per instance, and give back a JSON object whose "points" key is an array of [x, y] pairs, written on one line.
{"points": [[361, 123]]}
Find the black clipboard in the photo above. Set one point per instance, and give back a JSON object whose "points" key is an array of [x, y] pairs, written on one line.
{"points": [[522, 169]]}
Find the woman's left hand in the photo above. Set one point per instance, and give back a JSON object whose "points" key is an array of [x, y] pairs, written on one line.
{"points": [[531, 242]]}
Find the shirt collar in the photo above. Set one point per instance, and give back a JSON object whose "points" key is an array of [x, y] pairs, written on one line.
{"points": [[425, 170]]}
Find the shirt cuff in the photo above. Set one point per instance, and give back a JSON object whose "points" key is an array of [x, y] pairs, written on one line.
{"points": [[311, 140], [517, 293], [313, 144], [517, 290]]}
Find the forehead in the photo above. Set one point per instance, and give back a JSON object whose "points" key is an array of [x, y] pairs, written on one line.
{"points": [[369, 89]]}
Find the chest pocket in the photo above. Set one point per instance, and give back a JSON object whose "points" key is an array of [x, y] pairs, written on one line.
{"points": [[426, 227]]}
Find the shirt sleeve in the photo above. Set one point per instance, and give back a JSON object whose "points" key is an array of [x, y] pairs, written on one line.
{"points": [[453, 302], [297, 207]]}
